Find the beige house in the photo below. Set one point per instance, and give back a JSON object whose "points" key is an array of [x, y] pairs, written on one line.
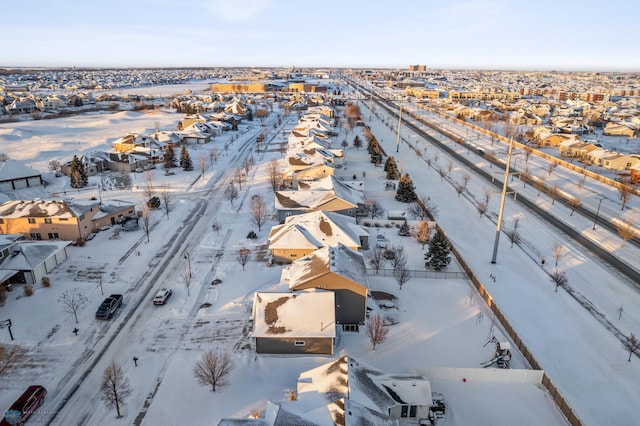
{"points": [[59, 219], [619, 162], [338, 269], [303, 234], [618, 129]]}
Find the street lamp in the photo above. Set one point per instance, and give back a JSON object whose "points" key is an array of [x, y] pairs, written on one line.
{"points": [[597, 212], [186, 256]]}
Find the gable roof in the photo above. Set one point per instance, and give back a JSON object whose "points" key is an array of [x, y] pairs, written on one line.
{"points": [[316, 229], [368, 393], [12, 169], [299, 314], [339, 259]]}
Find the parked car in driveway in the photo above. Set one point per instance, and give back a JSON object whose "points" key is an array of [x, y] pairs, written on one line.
{"points": [[109, 306], [162, 296]]}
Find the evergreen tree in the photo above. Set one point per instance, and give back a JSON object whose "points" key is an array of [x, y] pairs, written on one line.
{"points": [[438, 256], [391, 168], [169, 158], [406, 191], [78, 174], [404, 230], [185, 159], [357, 142]]}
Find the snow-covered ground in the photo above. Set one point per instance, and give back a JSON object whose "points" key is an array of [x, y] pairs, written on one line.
{"points": [[441, 323]]}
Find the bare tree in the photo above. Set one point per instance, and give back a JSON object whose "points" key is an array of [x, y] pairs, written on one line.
{"points": [[514, 236], [527, 154], [443, 173], [631, 344], [376, 331], [402, 275], [373, 207], [239, 177], [231, 193], [582, 181], [71, 301], [202, 162], [166, 195], [625, 193], [259, 211], [275, 176], [376, 258], [243, 256], [213, 156], [143, 216], [115, 387], [554, 193], [558, 250], [449, 167], [487, 195], [213, 369], [559, 278], [216, 227], [539, 184], [574, 203], [466, 177], [491, 157], [399, 259], [525, 177], [423, 233], [246, 165], [626, 231], [551, 167], [148, 183], [482, 207]]}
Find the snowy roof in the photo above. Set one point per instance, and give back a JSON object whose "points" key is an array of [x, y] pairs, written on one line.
{"points": [[299, 314], [316, 229], [29, 254], [338, 259], [36, 208], [373, 391], [11, 169], [307, 199]]}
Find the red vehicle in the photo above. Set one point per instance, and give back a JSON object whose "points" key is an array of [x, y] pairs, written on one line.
{"points": [[24, 406]]}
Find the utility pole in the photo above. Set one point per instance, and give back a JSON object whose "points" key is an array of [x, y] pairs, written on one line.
{"points": [[504, 195], [597, 212], [399, 124]]}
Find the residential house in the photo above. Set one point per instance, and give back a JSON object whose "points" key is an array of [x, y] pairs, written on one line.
{"points": [[15, 175], [27, 262], [338, 197], [60, 219], [348, 392], [619, 162], [309, 173], [302, 234], [619, 129], [294, 323], [597, 157], [338, 269]]}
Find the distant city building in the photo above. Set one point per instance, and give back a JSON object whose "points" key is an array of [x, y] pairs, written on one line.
{"points": [[417, 67]]}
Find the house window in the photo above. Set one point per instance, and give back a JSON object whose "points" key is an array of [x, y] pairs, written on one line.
{"points": [[404, 411], [47, 220], [1, 221], [54, 236], [299, 343], [35, 236], [413, 410], [63, 219], [350, 327], [31, 220]]}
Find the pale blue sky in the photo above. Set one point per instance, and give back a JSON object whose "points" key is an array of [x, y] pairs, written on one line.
{"points": [[488, 34]]}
